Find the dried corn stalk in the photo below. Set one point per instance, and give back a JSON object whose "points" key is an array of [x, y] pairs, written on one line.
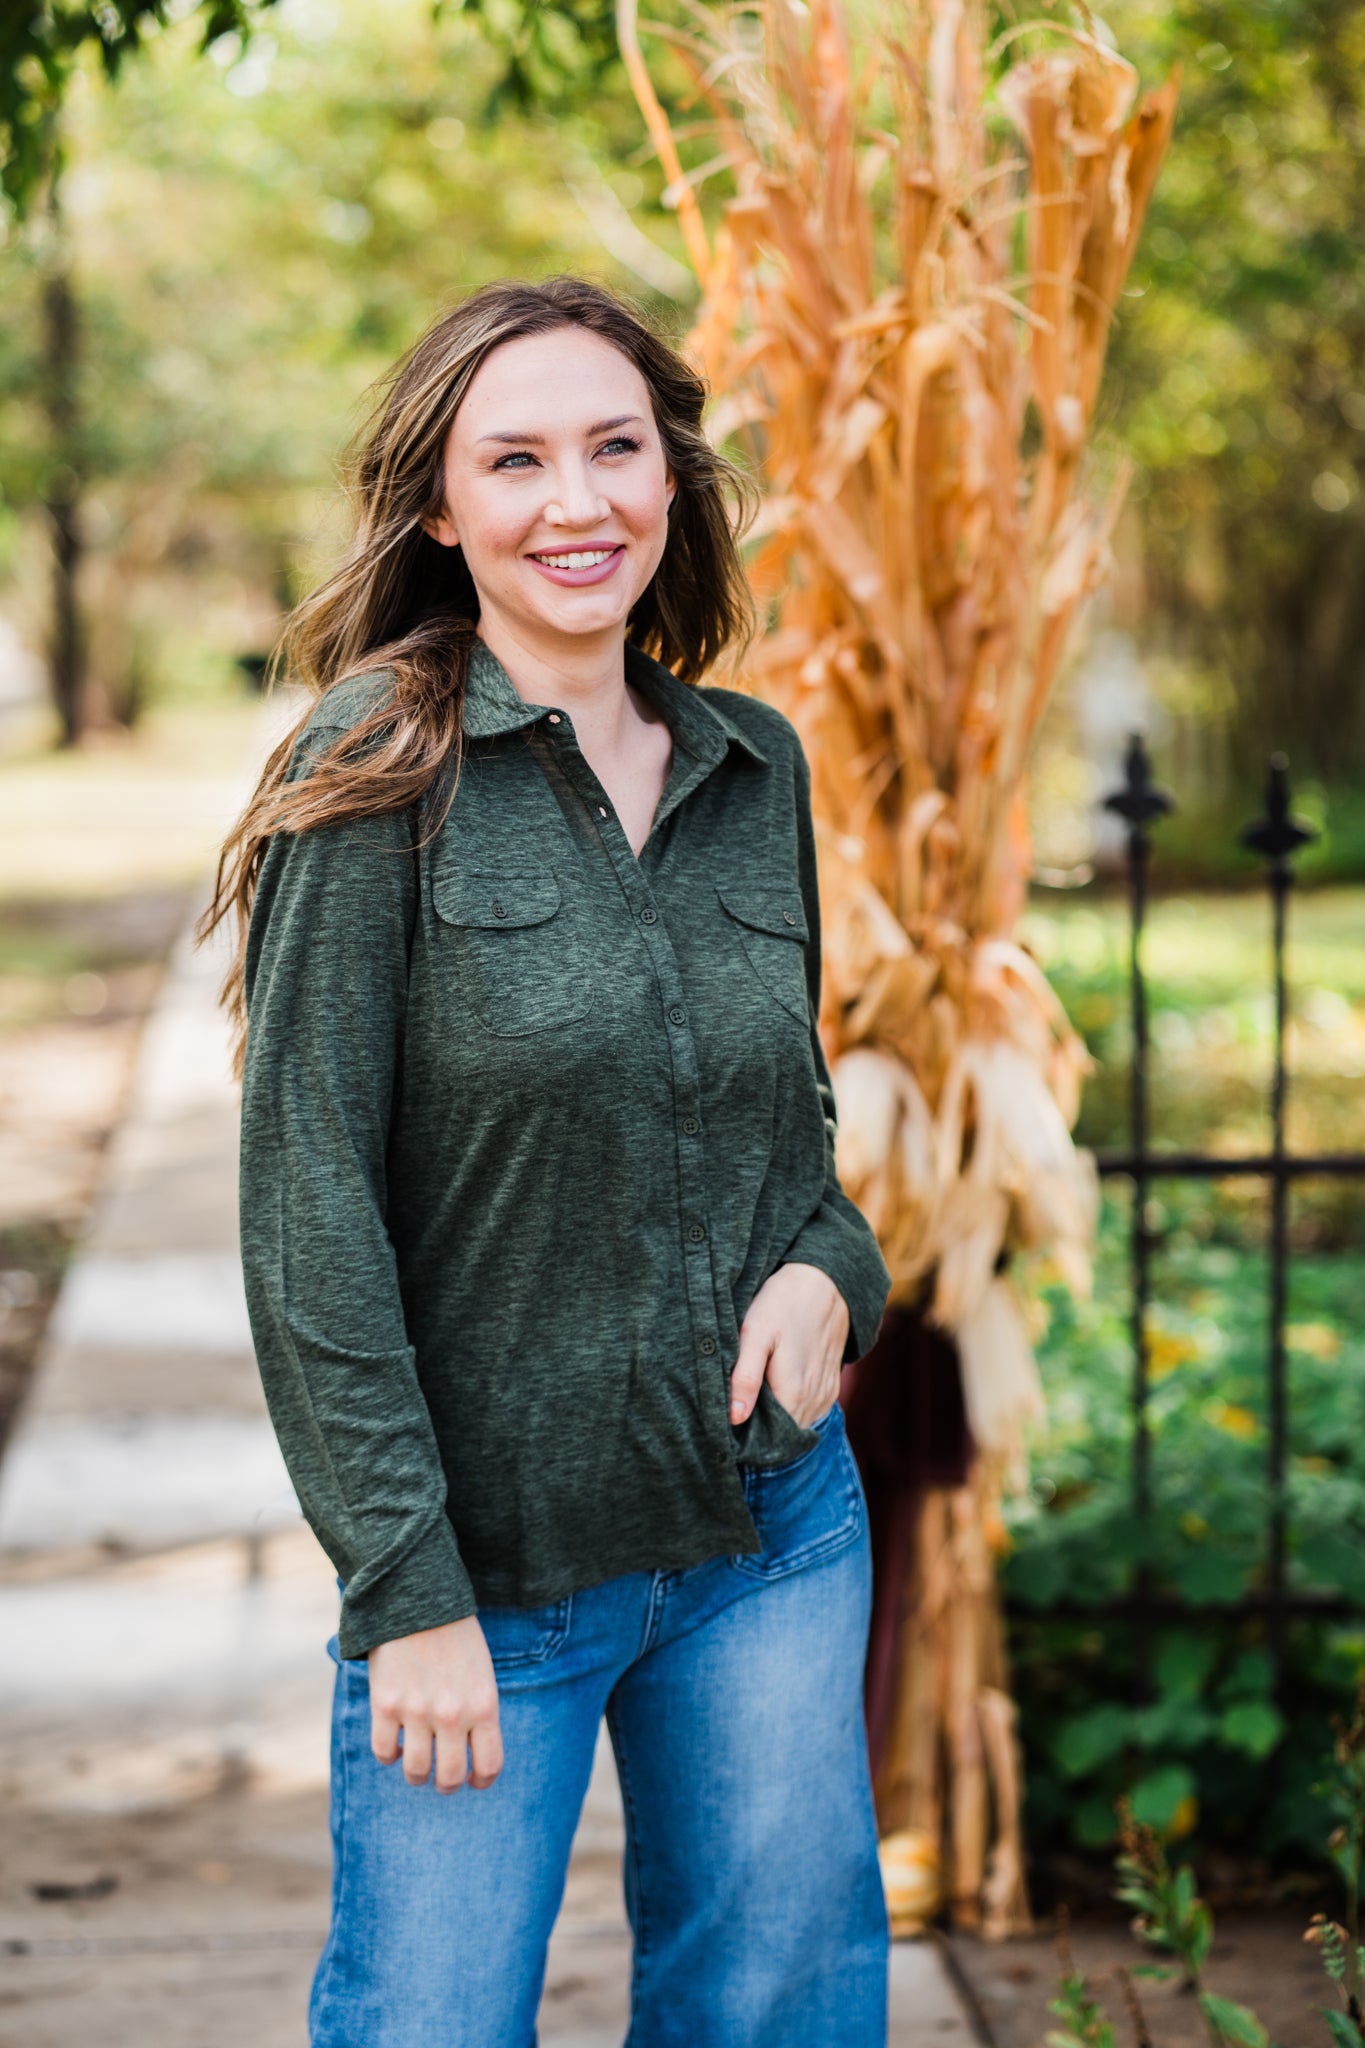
{"points": [[907, 306]]}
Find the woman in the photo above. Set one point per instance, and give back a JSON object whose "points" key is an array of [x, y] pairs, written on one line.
{"points": [[550, 1275]]}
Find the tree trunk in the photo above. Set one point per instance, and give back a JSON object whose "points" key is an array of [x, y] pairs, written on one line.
{"points": [[66, 657]]}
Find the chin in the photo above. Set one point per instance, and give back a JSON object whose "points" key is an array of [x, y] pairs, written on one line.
{"points": [[583, 619]]}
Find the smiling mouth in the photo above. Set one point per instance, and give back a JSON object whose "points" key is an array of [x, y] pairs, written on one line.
{"points": [[580, 558]]}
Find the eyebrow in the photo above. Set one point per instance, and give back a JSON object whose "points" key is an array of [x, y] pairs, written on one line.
{"points": [[624, 419]]}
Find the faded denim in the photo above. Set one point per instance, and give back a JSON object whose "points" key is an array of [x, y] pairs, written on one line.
{"points": [[732, 1693]]}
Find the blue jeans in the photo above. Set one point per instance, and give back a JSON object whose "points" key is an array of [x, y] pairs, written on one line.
{"points": [[733, 1697]]}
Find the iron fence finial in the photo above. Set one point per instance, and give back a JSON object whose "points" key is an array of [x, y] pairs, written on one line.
{"points": [[1278, 836], [1140, 802]]}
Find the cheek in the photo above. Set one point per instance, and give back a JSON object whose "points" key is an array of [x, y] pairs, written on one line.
{"points": [[489, 530], [647, 508]]}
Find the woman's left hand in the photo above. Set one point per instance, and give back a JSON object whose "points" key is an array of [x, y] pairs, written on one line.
{"points": [[794, 1337]]}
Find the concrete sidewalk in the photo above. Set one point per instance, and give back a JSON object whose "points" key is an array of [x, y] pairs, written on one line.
{"points": [[163, 1714]]}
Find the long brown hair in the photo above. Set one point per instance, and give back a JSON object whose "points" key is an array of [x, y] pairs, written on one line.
{"points": [[402, 602]]}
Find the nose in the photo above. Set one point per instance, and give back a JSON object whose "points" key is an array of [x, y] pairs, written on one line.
{"points": [[576, 500]]}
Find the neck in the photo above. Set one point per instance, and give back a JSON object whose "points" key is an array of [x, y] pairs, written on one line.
{"points": [[587, 679]]}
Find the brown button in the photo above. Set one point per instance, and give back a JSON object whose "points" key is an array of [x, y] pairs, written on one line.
{"points": [[695, 1232], [499, 910], [691, 1125], [707, 1346]]}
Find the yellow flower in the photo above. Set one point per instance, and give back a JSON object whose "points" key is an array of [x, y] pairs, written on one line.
{"points": [[1319, 1340], [1183, 1819], [1234, 1421], [1166, 1349], [1194, 1526]]}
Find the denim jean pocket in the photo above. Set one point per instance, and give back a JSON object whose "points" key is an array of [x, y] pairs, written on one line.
{"points": [[523, 1638], [806, 1510]]}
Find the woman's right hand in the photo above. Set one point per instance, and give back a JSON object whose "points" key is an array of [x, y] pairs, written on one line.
{"points": [[439, 1688]]}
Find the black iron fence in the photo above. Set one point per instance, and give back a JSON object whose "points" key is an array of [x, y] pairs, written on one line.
{"points": [[1277, 837]]}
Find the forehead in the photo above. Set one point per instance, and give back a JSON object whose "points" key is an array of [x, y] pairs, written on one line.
{"points": [[555, 382]]}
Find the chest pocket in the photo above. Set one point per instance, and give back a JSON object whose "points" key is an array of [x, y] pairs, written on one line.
{"points": [[520, 965], [772, 928]]}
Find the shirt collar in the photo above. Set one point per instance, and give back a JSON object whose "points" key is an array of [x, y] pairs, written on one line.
{"points": [[493, 706]]}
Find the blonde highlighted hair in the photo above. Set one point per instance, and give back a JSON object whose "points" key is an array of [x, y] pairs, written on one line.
{"points": [[400, 601]]}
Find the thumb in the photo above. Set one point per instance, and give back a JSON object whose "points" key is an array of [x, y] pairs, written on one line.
{"points": [[755, 1349]]}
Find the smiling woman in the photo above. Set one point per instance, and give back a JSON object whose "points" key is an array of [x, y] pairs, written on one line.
{"points": [[550, 1273]]}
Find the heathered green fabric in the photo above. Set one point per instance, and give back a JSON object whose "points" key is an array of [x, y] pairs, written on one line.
{"points": [[526, 1123]]}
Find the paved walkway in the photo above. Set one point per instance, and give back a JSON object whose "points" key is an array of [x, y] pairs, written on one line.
{"points": [[163, 1709]]}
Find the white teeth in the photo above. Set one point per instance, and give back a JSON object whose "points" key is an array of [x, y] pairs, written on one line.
{"points": [[581, 561]]}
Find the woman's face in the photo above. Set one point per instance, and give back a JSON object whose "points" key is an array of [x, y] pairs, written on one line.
{"points": [[556, 487]]}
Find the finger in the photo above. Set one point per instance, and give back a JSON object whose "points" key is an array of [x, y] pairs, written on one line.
{"points": [[755, 1349], [384, 1733], [452, 1744], [485, 1751], [416, 1752]]}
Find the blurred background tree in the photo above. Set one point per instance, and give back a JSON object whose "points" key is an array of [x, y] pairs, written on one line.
{"points": [[1237, 381], [262, 222], [235, 245]]}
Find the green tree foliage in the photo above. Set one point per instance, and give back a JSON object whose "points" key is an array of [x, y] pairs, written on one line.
{"points": [[547, 56], [253, 237], [40, 43], [1238, 372]]}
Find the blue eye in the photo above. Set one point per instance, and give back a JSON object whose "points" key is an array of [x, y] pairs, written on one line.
{"points": [[618, 443]]}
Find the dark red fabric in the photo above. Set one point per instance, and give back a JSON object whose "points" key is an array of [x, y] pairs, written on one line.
{"points": [[907, 1425]]}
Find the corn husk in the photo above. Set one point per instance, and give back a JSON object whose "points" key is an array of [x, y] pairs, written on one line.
{"points": [[905, 312]]}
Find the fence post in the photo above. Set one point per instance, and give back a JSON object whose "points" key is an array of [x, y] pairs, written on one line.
{"points": [[1277, 837], [1139, 803]]}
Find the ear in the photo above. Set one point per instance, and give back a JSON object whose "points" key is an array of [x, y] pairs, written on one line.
{"points": [[672, 485], [442, 530]]}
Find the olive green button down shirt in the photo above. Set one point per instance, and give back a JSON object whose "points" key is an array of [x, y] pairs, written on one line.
{"points": [[527, 1121]]}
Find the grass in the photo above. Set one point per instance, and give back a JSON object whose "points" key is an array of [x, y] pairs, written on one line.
{"points": [[130, 811], [1208, 965]]}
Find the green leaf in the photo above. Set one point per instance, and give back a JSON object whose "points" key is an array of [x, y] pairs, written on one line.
{"points": [[1156, 1797], [1233, 2022], [1208, 1575], [1093, 1822], [1173, 1723], [1344, 2030], [1200, 1934], [1254, 1726], [1252, 1674], [1331, 1561], [1182, 1664], [1156, 1971], [1088, 1740]]}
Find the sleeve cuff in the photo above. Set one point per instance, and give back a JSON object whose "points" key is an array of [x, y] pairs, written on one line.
{"points": [[425, 1587], [844, 1247]]}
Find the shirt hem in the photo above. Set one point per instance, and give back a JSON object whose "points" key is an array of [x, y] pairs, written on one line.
{"points": [[496, 1590]]}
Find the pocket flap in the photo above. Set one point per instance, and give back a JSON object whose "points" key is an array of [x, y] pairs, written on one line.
{"points": [[496, 901], [766, 909]]}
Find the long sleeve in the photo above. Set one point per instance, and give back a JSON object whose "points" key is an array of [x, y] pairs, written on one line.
{"points": [[326, 985], [837, 1238]]}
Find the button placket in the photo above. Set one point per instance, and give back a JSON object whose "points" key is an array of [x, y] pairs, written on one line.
{"points": [[692, 1191]]}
